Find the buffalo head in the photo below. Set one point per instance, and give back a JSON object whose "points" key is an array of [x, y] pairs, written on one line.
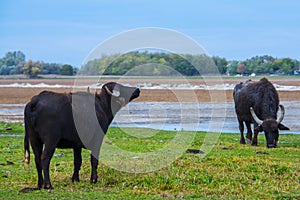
{"points": [[270, 126], [119, 95]]}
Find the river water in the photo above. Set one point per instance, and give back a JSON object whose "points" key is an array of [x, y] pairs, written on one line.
{"points": [[215, 117]]}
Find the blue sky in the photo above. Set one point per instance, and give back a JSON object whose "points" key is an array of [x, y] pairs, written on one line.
{"points": [[65, 31]]}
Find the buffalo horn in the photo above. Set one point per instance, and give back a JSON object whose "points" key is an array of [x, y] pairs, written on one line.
{"points": [[256, 119], [279, 119], [115, 93]]}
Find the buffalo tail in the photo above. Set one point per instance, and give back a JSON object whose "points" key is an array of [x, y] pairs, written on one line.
{"points": [[26, 139]]}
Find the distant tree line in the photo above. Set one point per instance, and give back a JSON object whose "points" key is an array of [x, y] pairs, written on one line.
{"points": [[264, 65], [145, 63], [15, 63], [151, 63]]}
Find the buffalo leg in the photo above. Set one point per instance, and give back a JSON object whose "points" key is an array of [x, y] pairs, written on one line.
{"points": [[46, 158], [241, 127], [254, 140], [77, 164], [37, 150], [249, 132], [94, 163]]}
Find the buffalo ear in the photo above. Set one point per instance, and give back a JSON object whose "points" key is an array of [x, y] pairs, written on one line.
{"points": [[283, 127], [259, 128]]}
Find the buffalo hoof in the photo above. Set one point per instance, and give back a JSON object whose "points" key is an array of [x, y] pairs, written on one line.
{"points": [[253, 143], [242, 141], [93, 181], [94, 178], [75, 179], [48, 186], [248, 141]]}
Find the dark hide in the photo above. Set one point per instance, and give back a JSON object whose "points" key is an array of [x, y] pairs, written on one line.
{"points": [[263, 98], [49, 124]]}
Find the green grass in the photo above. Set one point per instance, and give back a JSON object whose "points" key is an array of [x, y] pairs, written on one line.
{"points": [[11, 128], [228, 171]]}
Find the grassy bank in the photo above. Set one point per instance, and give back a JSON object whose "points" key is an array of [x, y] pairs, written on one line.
{"points": [[228, 171]]}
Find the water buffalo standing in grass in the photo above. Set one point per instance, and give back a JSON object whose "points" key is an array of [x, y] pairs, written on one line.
{"points": [[258, 102], [50, 123]]}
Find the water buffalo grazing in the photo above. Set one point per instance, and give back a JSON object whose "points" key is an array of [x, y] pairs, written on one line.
{"points": [[258, 103], [50, 123]]}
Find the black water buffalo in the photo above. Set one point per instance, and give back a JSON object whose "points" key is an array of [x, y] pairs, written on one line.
{"points": [[258, 103], [54, 120]]}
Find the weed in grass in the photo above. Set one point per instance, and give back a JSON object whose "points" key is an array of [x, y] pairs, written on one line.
{"points": [[11, 128]]}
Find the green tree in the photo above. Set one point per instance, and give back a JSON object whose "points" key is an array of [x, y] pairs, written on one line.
{"points": [[221, 63], [232, 67], [259, 64], [187, 64], [50, 68], [18, 69], [286, 65], [32, 69], [4, 70], [13, 58], [67, 70], [12, 63]]}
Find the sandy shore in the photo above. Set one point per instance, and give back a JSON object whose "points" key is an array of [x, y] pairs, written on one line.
{"points": [[23, 95]]}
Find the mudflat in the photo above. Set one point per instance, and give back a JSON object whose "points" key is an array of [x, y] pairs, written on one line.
{"points": [[16, 95]]}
